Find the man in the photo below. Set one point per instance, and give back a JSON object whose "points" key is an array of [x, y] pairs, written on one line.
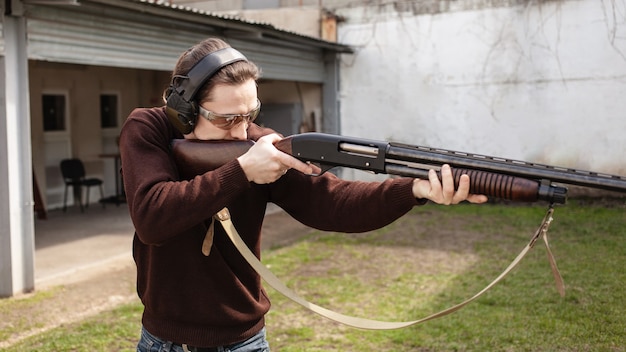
{"points": [[199, 302]]}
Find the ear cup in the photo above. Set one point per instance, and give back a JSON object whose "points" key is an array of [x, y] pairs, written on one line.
{"points": [[182, 114]]}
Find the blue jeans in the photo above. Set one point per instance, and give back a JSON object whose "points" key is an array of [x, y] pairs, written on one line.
{"points": [[151, 343]]}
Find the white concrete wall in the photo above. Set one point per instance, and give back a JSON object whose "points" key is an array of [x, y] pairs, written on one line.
{"points": [[542, 83]]}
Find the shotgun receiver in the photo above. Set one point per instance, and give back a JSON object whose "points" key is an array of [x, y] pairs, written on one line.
{"points": [[492, 176]]}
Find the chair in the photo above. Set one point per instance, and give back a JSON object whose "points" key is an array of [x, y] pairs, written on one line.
{"points": [[73, 172]]}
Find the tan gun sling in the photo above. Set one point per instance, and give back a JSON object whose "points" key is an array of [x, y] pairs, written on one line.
{"points": [[224, 217]]}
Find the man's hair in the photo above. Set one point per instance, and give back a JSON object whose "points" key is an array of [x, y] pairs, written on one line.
{"points": [[232, 74]]}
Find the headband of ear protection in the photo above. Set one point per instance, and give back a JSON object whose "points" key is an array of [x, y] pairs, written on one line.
{"points": [[181, 106]]}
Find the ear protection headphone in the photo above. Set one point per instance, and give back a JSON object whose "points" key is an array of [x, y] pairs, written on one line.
{"points": [[181, 106]]}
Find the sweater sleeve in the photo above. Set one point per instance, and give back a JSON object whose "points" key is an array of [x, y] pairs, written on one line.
{"points": [[162, 206], [331, 204]]}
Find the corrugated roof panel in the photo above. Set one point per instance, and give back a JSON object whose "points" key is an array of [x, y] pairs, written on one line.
{"points": [[99, 35], [67, 35], [225, 16]]}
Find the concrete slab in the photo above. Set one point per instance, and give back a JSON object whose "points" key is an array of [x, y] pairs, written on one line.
{"points": [[71, 244]]}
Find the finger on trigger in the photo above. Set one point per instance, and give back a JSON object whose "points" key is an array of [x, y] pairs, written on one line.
{"points": [[289, 162], [301, 166]]}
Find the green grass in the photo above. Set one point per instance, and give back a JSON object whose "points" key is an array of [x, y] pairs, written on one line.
{"points": [[30, 304], [522, 313], [115, 330]]}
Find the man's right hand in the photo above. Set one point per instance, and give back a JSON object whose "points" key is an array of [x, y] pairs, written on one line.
{"points": [[263, 163]]}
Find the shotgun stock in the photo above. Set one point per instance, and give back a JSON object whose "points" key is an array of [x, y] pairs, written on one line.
{"points": [[495, 177], [195, 157]]}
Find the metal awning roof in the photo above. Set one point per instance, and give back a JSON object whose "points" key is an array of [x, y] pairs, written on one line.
{"points": [[225, 21]]}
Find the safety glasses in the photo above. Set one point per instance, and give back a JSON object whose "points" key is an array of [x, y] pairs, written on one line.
{"points": [[227, 121]]}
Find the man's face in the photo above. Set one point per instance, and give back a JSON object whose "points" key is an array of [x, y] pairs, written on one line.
{"points": [[226, 100]]}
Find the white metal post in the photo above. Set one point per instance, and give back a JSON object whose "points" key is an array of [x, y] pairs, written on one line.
{"points": [[16, 184]]}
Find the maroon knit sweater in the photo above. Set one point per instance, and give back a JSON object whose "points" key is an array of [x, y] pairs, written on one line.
{"points": [[216, 300]]}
